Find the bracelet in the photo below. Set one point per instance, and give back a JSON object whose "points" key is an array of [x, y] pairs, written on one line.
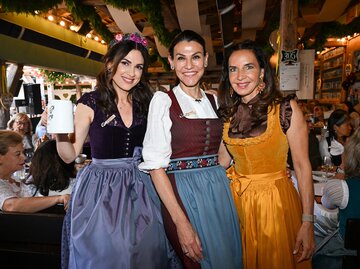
{"points": [[309, 218]]}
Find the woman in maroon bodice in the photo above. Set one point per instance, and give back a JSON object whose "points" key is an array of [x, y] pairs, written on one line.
{"points": [[180, 151]]}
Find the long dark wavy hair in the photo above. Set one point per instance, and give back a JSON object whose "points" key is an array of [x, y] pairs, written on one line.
{"points": [[48, 171], [270, 96], [141, 93]]}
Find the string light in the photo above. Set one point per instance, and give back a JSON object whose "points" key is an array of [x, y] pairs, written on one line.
{"points": [[72, 27]]}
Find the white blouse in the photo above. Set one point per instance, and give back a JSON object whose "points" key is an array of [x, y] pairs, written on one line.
{"points": [[11, 189], [336, 148], [157, 142]]}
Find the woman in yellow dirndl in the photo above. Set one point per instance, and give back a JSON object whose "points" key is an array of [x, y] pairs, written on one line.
{"points": [[276, 222]]}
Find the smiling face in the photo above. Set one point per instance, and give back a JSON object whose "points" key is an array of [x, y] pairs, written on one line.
{"points": [[244, 74], [13, 160], [189, 63], [21, 125], [129, 71]]}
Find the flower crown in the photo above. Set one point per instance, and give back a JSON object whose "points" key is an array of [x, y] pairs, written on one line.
{"points": [[135, 37]]}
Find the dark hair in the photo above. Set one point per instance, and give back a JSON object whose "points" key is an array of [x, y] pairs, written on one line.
{"points": [[186, 35], [352, 155], [141, 93], [337, 117], [270, 95], [9, 139], [48, 171]]}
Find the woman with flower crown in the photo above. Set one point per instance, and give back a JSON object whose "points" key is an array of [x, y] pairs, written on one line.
{"points": [[113, 220]]}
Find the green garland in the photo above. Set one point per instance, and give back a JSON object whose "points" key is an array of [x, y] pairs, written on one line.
{"points": [[53, 76], [28, 7], [88, 13], [332, 29], [151, 9]]}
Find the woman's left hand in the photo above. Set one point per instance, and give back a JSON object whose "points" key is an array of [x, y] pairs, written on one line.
{"points": [[305, 242]]}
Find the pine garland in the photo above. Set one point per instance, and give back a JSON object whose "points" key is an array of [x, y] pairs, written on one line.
{"points": [[333, 29], [28, 7], [88, 13], [55, 77]]}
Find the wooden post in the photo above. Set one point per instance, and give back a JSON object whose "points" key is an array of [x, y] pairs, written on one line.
{"points": [[288, 26], [4, 104]]}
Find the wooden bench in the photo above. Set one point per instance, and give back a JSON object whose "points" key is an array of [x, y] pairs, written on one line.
{"points": [[31, 240]]}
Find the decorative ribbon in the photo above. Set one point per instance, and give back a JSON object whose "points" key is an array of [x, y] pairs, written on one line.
{"points": [[240, 182], [193, 163]]}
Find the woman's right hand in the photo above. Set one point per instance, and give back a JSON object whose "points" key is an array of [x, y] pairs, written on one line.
{"points": [[64, 199], [189, 241]]}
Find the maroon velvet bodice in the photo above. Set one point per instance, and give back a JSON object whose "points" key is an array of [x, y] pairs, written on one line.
{"points": [[193, 137]]}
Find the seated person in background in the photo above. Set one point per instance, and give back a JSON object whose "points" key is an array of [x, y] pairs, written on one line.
{"points": [[318, 114], [338, 130], [17, 196], [21, 123], [49, 174], [354, 115], [314, 153], [344, 195]]}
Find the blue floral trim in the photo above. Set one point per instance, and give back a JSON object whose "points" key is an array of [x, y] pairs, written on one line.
{"points": [[195, 163]]}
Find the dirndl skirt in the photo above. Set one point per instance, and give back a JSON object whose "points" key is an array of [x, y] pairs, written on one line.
{"points": [[205, 194], [114, 219]]}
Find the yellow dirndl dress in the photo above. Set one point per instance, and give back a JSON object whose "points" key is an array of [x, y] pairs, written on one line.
{"points": [[267, 202]]}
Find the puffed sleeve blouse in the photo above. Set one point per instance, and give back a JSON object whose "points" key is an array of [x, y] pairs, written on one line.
{"points": [[157, 142], [335, 194]]}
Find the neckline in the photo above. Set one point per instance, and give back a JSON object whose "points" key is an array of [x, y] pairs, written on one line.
{"points": [[196, 100], [268, 131]]}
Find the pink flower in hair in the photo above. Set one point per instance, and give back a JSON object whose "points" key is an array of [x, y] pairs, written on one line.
{"points": [[144, 42], [119, 37]]}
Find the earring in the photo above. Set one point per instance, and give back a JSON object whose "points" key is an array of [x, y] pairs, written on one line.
{"points": [[261, 85], [231, 92], [172, 67], [205, 64]]}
